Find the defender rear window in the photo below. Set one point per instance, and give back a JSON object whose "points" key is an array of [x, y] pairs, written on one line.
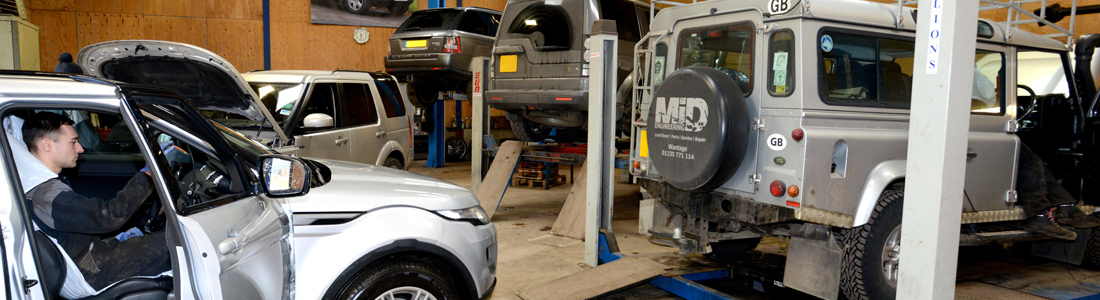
{"points": [[429, 20], [868, 70], [781, 63], [728, 48]]}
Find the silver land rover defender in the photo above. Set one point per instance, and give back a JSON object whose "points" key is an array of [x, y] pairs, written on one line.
{"points": [[778, 118]]}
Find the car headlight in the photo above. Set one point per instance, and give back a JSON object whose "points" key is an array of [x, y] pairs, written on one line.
{"points": [[475, 215]]}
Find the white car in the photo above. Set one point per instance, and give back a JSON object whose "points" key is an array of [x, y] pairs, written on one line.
{"points": [[355, 231]]}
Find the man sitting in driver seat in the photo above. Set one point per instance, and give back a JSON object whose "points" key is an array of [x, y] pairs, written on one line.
{"points": [[77, 222]]}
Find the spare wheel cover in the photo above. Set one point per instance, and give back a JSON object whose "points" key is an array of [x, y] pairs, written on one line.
{"points": [[698, 128]]}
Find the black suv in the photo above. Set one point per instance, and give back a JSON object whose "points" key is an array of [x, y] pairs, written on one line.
{"points": [[540, 68], [433, 48]]}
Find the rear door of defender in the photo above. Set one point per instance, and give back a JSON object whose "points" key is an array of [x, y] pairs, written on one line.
{"points": [[726, 42]]}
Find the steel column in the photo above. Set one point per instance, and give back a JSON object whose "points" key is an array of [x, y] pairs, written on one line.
{"points": [[936, 163], [600, 193]]}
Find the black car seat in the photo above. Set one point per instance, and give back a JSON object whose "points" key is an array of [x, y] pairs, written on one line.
{"points": [[897, 86], [53, 263]]}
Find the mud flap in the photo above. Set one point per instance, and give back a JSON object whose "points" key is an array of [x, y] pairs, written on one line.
{"points": [[1073, 253], [813, 267]]}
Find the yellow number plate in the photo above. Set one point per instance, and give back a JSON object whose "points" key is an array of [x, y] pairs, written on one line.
{"points": [[416, 44], [508, 63]]}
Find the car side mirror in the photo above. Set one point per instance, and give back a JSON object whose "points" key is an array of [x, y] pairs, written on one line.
{"points": [[284, 176], [317, 120]]}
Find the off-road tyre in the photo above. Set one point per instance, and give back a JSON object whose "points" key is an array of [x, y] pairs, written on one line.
{"points": [[732, 250], [861, 274], [393, 163], [525, 130], [399, 273], [1092, 250]]}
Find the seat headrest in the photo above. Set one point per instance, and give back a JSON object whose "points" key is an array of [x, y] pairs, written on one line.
{"points": [[31, 171]]}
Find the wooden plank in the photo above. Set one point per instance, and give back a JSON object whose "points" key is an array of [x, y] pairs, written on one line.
{"points": [[241, 42], [56, 34], [595, 282], [93, 28], [496, 181], [570, 222], [177, 29], [50, 5], [174, 8], [236, 9], [980, 291], [490, 4], [290, 11], [130, 7]]}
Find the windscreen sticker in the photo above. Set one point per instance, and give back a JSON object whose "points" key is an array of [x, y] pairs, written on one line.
{"points": [[658, 70], [777, 142], [779, 61], [780, 79], [826, 43]]}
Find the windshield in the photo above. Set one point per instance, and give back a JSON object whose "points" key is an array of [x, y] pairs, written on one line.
{"points": [[278, 98], [430, 20]]}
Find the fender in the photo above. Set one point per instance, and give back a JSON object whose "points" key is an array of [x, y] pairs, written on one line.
{"points": [[402, 246], [881, 176], [388, 149]]}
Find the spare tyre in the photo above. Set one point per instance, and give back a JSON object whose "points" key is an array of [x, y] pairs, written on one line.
{"points": [[698, 128]]}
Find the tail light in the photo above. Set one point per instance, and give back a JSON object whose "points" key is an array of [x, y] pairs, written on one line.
{"points": [[792, 191], [453, 45], [797, 134], [777, 188], [388, 50]]}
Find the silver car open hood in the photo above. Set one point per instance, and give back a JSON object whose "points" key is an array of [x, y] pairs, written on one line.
{"points": [[208, 81], [362, 188]]}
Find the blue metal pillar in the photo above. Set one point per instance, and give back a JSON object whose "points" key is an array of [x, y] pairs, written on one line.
{"points": [[435, 137], [267, 34]]}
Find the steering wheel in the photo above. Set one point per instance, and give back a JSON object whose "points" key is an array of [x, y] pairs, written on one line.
{"points": [[153, 220], [1021, 113]]}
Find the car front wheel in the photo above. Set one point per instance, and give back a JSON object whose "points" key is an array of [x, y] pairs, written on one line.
{"points": [[356, 6], [400, 278]]}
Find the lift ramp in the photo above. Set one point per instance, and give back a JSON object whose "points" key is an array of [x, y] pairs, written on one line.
{"points": [[600, 281], [498, 179]]}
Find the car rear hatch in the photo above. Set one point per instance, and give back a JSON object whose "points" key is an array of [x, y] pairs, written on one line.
{"points": [[424, 35], [540, 39], [209, 82]]}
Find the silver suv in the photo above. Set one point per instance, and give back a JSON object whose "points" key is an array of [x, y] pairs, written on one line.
{"points": [[237, 218], [342, 115], [781, 118], [433, 48], [540, 62]]}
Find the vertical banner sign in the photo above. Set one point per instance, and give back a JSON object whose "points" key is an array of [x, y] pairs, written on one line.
{"points": [[935, 25], [477, 84]]}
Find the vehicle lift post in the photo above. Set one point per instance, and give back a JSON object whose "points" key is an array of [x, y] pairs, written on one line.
{"points": [[438, 131], [479, 115], [601, 169]]}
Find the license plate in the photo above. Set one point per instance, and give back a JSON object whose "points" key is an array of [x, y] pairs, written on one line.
{"points": [[508, 63], [416, 44]]}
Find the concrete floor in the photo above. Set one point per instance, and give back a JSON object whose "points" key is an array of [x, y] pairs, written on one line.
{"points": [[529, 255]]}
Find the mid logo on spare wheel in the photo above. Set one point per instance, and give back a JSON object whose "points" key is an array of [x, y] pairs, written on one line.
{"points": [[680, 114]]}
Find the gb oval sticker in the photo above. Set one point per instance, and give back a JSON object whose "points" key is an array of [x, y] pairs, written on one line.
{"points": [[779, 7], [777, 142]]}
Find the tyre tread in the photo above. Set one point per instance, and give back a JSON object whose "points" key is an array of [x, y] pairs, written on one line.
{"points": [[853, 280]]}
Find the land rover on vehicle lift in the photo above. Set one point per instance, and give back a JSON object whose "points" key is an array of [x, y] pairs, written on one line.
{"points": [[778, 118]]}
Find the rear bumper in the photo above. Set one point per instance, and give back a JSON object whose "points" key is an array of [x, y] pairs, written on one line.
{"points": [[448, 65], [537, 99]]}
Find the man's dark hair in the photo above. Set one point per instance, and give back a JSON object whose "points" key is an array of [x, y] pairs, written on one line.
{"points": [[43, 125]]}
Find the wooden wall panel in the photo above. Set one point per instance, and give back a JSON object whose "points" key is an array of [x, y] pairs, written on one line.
{"points": [[51, 5], [287, 49], [174, 8], [331, 47], [374, 52], [56, 34], [176, 29], [290, 11], [93, 28], [490, 4], [110, 6], [236, 9], [241, 42]]}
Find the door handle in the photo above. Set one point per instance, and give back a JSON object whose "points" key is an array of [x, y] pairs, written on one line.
{"points": [[232, 244], [380, 133], [341, 141]]}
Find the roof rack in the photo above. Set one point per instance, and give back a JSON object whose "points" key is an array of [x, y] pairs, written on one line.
{"points": [[1015, 15]]}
